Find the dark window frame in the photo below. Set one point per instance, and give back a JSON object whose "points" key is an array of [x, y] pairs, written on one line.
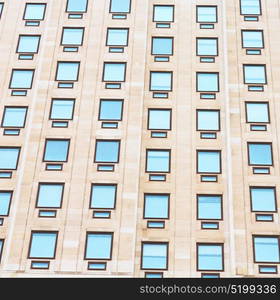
{"points": [[56, 139], [71, 27], [10, 202], [78, 12], [260, 143], [33, 35], [220, 161], [168, 206], [210, 244], [256, 102], [158, 172], [107, 140], [219, 120], [103, 184], [12, 147], [160, 109], [173, 15], [68, 62], [3, 116], [154, 243], [50, 183], [116, 63], [163, 91], [206, 72], [263, 187], [216, 9], [107, 99], [254, 248], [117, 28], [207, 38], [162, 37], [252, 30], [34, 3], [62, 99], [254, 65], [240, 5], [119, 12], [21, 88], [210, 195]]}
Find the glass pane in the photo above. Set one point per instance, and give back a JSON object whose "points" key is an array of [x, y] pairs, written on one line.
{"points": [[98, 246], [114, 72], [257, 112], [14, 117], [255, 74], [250, 7], [56, 150], [117, 37], [266, 249], [208, 162], [67, 71], [5, 199], [77, 5], [50, 195], [207, 82], [62, 109], [162, 46], [208, 120], [252, 39], [159, 119], [263, 199], [111, 110], [1, 247], [9, 158], [72, 36], [103, 196], [207, 47], [161, 81], [210, 257], [206, 14], [154, 256], [260, 154], [158, 161], [21, 79], [156, 206], [28, 44], [107, 151], [210, 207], [43, 245], [163, 13], [34, 11], [122, 6]]}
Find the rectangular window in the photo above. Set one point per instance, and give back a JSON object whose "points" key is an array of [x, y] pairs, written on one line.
{"points": [[257, 112], [9, 157], [99, 245], [207, 82], [159, 119], [207, 46], [154, 256], [156, 206], [1, 248], [14, 117], [76, 6], [110, 110], [50, 195], [162, 46], [34, 11], [56, 150], [250, 7], [208, 120], [28, 44], [103, 196], [120, 6], [266, 249], [158, 161], [161, 81], [117, 37], [255, 74], [263, 199], [5, 202], [107, 151], [209, 207], [163, 13], [208, 161], [62, 109], [260, 154], [252, 39], [206, 14], [210, 257], [67, 71], [72, 36], [114, 72], [43, 244], [21, 79]]}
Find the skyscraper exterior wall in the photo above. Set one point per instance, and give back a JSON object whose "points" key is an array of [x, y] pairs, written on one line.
{"points": [[139, 138]]}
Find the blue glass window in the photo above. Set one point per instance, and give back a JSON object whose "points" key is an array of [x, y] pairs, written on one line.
{"points": [[163, 13], [34, 11], [206, 14], [50, 195], [158, 161], [209, 161], [159, 119], [209, 207], [252, 39], [62, 109], [207, 46], [107, 151], [1, 247], [210, 257], [120, 6], [103, 196], [114, 72], [110, 110], [117, 37], [263, 199], [1, 8], [162, 46], [99, 245], [257, 112], [21, 79], [76, 6], [156, 206], [56, 150], [5, 201], [72, 36], [208, 120], [43, 245], [28, 44], [154, 256], [260, 154], [161, 81], [207, 82], [267, 249], [254, 74], [250, 7], [67, 71], [9, 158], [14, 117]]}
